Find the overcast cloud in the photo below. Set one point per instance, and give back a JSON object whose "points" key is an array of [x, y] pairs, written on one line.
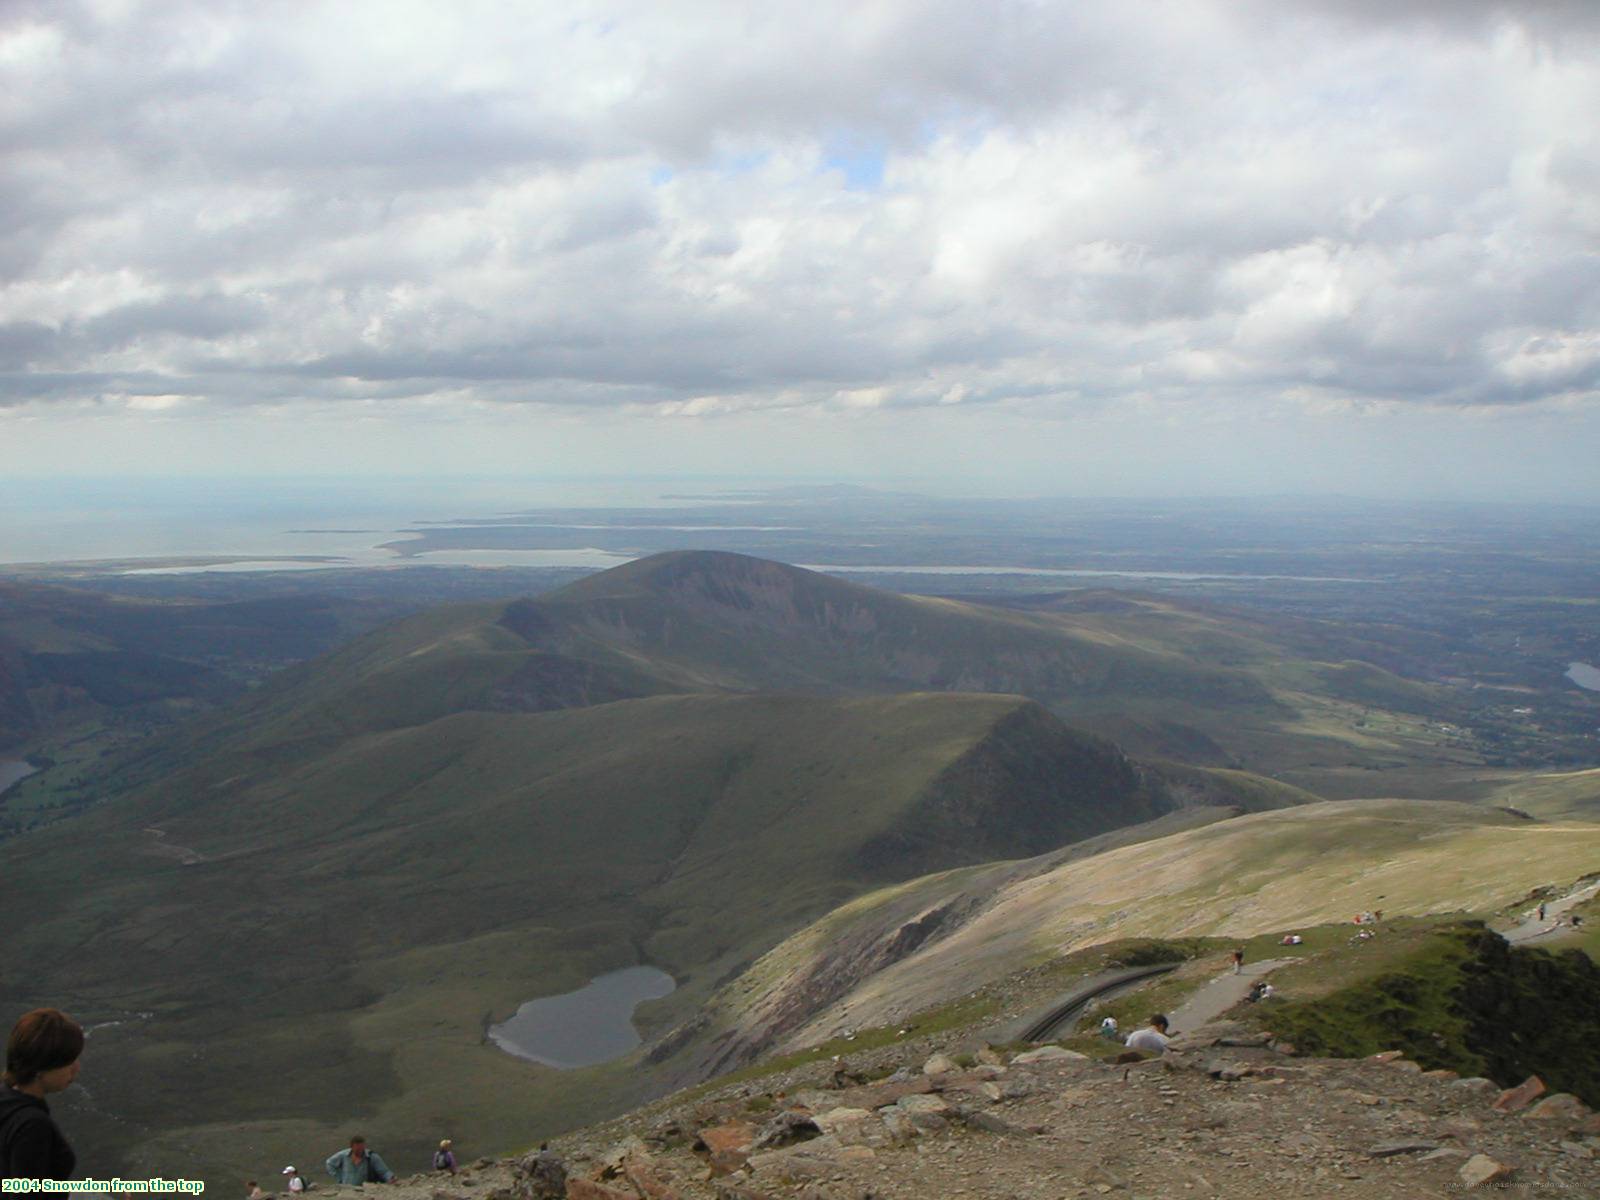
{"points": [[698, 209]]}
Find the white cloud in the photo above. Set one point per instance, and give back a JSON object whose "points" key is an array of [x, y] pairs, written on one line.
{"points": [[1050, 209]]}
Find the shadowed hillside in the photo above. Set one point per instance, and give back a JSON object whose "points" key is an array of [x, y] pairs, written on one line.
{"points": [[335, 884], [317, 914], [71, 657]]}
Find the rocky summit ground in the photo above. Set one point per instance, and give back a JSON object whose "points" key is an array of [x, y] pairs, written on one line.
{"points": [[1224, 1113]]}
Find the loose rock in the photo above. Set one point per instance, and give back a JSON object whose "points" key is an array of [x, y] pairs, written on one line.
{"points": [[1518, 1098], [1481, 1169]]}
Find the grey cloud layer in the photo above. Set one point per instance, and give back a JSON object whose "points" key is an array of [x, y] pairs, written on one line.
{"points": [[638, 204]]}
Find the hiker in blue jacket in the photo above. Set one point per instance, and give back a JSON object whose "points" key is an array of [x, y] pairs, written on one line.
{"points": [[359, 1165]]}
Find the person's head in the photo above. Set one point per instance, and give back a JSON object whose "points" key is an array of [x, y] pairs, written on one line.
{"points": [[43, 1051], [288, 1170], [358, 1146], [251, 1184], [1158, 1022], [445, 1144]]}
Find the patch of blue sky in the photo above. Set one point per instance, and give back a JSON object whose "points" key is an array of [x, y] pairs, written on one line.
{"points": [[859, 160]]}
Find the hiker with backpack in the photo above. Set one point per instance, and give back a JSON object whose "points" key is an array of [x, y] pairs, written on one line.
{"points": [[444, 1158], [358, 1165]]}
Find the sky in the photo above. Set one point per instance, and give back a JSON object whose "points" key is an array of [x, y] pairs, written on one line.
{"points": [[1167, 248]]}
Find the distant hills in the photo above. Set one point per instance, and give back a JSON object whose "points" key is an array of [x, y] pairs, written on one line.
{"points": [[706, 621], [70, 656], [305, 907]]}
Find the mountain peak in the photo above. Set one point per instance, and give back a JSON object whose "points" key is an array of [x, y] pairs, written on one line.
{"points": [[736, 588], [708, 572]]}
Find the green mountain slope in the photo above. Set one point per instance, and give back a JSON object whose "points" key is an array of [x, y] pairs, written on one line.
{"points": [[372, 891], [704, 621], [1278, 870], [333, 885]]}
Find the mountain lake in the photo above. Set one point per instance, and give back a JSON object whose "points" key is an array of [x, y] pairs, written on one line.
{"points": [[1584, 675], [13, 771], [591, 1025]]}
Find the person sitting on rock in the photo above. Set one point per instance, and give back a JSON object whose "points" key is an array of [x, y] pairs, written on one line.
{"points": [[444, 1158], [1152, 1039]]}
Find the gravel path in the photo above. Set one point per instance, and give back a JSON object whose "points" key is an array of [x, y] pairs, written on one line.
{"points": [[1222, 993], [1533, 927]]}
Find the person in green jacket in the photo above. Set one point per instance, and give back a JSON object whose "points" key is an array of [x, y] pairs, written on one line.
{"points": [[359, 1165]]}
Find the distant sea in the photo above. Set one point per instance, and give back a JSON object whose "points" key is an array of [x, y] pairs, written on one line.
{"points": [[73, 520]]}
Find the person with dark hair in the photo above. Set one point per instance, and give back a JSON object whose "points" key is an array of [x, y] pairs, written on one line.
{"points": [[1152, 1039], [359, 1165], [41, 1058]]}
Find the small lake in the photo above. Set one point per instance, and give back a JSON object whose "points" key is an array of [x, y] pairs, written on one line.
{"points": [[13, 771], [591, 1025], [1584, 675]]}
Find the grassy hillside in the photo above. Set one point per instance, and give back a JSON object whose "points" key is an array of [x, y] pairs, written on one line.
{"points": [[334, 885], [1163, 679], [312, 920], [1566, 794], [64, 649], [1461, 998], [1277, 870]]}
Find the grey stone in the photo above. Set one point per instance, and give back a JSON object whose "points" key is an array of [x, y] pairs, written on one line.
{"points": [[546, 1175], [940, 1064], [1481, 1169], [1048, 1054], [1390, 1149]]}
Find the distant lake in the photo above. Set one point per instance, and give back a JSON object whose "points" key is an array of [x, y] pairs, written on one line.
{"points": [[591, 1025], [1067, 573], [13, 771], [1584, 675]]}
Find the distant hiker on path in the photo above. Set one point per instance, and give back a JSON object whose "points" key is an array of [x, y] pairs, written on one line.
{"points": [[42, 1057], [1541, 910], [1153, 1038], [1238, 960], [252, 1191], [444, 1158], [295, 1183], [358, 1165], [1109, 1030]]}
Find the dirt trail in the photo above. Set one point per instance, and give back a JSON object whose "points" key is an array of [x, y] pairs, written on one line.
{"points": [[1532, 927], [1222, 993]]}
